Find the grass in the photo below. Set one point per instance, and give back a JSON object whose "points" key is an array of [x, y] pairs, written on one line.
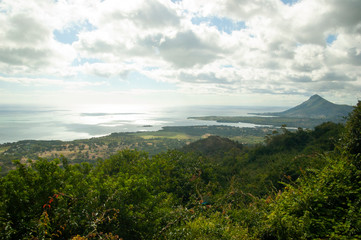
{"points": [[247, 139], [163, 134]]}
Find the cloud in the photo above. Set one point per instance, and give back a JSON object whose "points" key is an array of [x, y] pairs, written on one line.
{"points": [[345, 15], [138, 14], [236, 9], [354, 54], [308, 58], [336, 77], [279, 49], [27, 43], [107, 70], [202, 77], [23, 29], [41, 82], [154, 14], [140, 33], [300, 79], [187, 49]]}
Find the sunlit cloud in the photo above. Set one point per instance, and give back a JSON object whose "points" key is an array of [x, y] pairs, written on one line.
{"points": [[222, 48], [36, 82]]}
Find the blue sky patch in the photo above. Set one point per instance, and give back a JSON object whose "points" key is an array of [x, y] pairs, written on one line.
{"points": [[67, 36], [70, 34], [290, 2], [227, 66], [331, 38], [222, 24]]}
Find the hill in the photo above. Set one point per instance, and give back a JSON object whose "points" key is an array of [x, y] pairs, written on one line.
{"points": [[212, 146], [316, 107], [262, 167]]}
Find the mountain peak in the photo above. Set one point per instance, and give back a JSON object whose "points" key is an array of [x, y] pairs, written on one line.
{"points": [[317, 107], [316, 96], [316, 99]]}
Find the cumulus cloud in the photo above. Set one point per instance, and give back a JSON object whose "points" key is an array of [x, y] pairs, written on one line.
{"points": [[187, 49], [27, 43], [106, 70], [308, 58], [143, 14], [280, 48]]}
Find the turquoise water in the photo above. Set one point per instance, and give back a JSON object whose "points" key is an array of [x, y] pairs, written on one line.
{"points": [[49, 123]]}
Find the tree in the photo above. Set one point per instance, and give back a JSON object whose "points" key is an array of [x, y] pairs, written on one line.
{"points": [[323, 204], [352, 136]]}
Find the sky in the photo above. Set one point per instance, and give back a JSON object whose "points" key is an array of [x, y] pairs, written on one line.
{"points": [[179, 52]]}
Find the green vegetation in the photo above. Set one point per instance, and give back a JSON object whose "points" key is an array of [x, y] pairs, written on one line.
{"points": [[297, 185], [89, 150], [325, 203]]}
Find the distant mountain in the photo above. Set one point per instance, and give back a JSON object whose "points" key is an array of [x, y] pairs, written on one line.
{"points": [[316, 107]]}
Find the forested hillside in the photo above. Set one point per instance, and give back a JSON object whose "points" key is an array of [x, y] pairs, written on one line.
{"points": [[153, 142], [297, 185]]}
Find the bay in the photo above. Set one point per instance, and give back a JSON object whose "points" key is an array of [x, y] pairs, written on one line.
{"points": [[21, 122]]}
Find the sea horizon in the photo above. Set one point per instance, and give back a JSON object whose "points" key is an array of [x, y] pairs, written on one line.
{"points": [[30, 122]]}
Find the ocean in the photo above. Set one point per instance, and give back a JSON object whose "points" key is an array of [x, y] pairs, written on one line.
{"points": [[20, 122]]}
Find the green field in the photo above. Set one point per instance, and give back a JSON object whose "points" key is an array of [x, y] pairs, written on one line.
{"points": [[157, 135]]}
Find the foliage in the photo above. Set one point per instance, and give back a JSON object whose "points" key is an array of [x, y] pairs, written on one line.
{"points": [[352, 136], [128, 195], [294, 186], [323, 203]]}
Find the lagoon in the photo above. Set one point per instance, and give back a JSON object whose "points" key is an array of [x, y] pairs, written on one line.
{"points": [[22, 122]]}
